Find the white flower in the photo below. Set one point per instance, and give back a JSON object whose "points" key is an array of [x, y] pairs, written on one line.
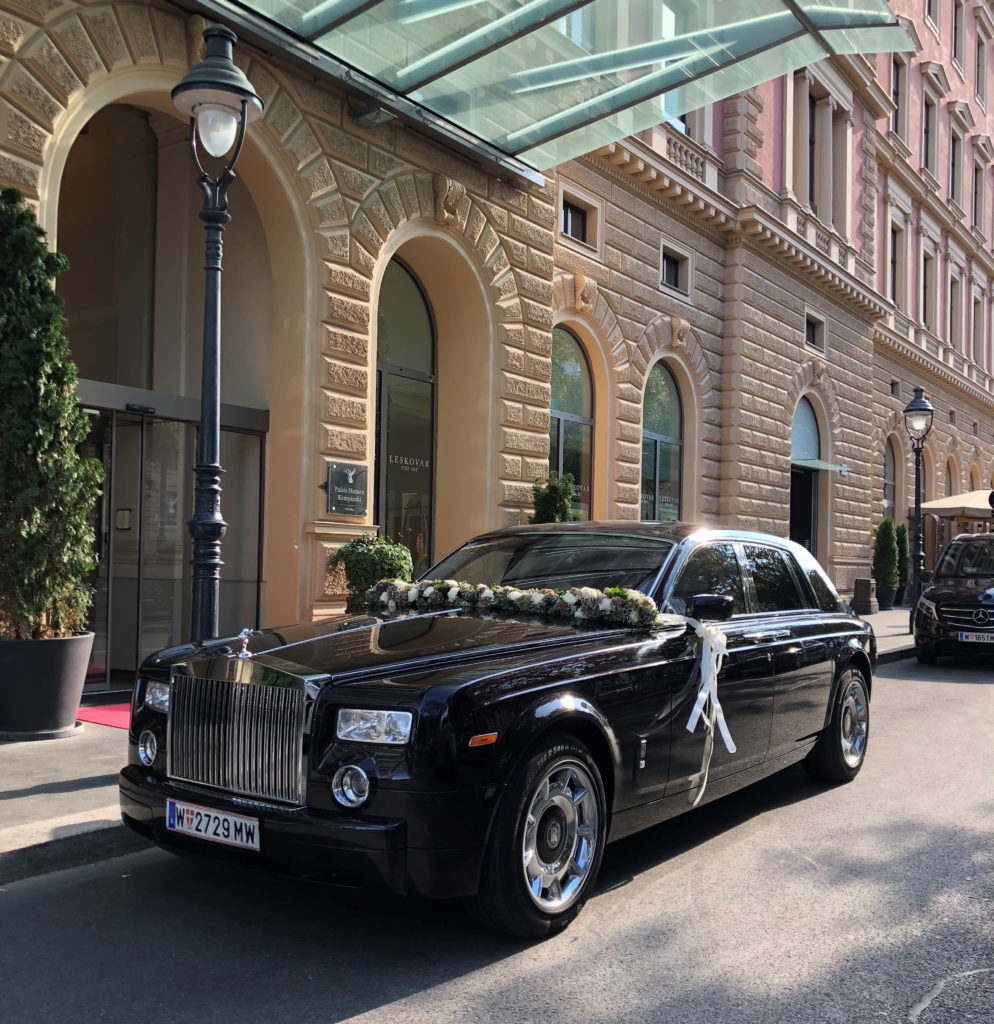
{"points": [[384, 597], [604, 604], [538, 598], [569, 598], [633, 618], [412, 595], [589, 594], [487, 594], [428, 591], [391, 606], [453, 594]]}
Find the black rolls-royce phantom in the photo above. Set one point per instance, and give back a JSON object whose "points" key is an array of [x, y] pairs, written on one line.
{"points": [[485, 736]]}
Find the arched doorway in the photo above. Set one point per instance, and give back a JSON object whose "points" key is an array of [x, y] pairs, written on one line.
{"points": [[134, 307], [805, 455], [571, 422], [404, 488], [662, 446]]}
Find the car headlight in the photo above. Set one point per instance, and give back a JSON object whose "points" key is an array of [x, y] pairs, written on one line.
{"points": [[927, 609], [157, 696], [374, 726]]}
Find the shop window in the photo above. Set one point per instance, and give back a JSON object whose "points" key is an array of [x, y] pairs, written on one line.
{"points": [[662, 446], [571, 421], [405, 414]]}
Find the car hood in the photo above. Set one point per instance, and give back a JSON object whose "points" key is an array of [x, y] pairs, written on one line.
{"points": [[352, 648], [962, 588]]}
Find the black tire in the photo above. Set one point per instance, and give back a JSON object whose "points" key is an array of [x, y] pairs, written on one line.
{"points": [[926, 657], [841, 749], [560, 782]]}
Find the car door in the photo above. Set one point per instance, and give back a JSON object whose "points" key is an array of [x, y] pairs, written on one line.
{"points": [[799, 642], [745, 684]]}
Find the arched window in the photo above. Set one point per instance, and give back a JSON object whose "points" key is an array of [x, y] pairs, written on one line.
{"points": [[974, 480], [948, 482], [805, 467], [890, 478], [571, 423], [662, 446], [405, 414]]}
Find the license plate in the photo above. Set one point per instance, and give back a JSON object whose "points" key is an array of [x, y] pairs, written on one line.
{"points": [[977, 638], [215, 826]]}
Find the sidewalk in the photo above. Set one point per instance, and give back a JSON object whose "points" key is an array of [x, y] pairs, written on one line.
{"points": [[58, 798]]}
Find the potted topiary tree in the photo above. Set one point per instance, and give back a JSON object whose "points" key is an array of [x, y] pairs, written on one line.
{"points": [[903, 554], [885, 563], [553, 499], [367, 560], [46, 491]]}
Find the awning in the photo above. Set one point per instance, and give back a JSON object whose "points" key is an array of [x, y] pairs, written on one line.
{"points": [[831, 467], [533, 83], [969, 505]]}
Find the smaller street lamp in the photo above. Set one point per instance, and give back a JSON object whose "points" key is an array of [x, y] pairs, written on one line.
{"points": [[220, 102], [918, 422]]}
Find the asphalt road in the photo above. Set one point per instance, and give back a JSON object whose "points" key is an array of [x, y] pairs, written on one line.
{"points": [[788, 902]]}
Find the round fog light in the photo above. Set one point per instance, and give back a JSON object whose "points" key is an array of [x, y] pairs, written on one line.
{"points": [[350, 785], [147, 747]]}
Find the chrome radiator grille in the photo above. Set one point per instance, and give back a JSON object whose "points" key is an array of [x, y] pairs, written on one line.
{"points": [[961, 616], [240, 737]]}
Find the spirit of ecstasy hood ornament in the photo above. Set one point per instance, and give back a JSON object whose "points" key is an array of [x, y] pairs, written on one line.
{"points": [[244, 637]]}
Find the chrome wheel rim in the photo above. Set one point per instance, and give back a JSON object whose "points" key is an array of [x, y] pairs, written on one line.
{"points": [[560, 836], [854, 721]]}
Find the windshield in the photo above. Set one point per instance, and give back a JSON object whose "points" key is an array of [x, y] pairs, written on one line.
{"points": [[973, 557], [558, 560]]}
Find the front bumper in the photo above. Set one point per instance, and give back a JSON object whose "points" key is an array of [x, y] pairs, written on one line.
{"points": [[937, 638], [337, 849]]}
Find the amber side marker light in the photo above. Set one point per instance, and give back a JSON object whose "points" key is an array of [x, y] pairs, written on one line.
{"points": [[483, 740]]}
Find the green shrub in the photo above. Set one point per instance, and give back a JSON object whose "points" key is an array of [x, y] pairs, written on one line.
{"points": [[903, 554], [368, 559], [553, 499], [885, 555], [46, 488]]}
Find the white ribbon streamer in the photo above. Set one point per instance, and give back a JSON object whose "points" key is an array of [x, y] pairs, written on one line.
{"points": [[707, 707]]}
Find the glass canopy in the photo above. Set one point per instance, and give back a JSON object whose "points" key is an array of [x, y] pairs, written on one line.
{"points": [[542, 81]]}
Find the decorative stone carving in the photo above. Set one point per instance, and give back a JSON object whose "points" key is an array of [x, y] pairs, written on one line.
{"points": [[680, 331], [448, 195], [585, 289]]}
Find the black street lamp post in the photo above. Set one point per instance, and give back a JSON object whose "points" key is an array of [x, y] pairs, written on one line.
{"points": [[220, 102], [918, 422]]}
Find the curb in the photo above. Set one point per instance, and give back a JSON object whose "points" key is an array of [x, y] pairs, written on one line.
{"points": [[887, 657], [69, 852]]}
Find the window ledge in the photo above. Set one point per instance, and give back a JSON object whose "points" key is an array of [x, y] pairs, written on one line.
{"points": [[930, 180], [901, 147]]}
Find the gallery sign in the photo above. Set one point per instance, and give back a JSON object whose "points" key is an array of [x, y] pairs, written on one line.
{"points": [[346, 489]]}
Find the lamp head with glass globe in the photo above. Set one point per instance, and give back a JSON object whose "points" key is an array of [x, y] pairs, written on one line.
{"points": [[918, 416], [217, 95]]}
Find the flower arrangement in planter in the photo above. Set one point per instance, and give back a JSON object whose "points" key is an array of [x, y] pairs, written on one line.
{"points": [[577, 605], [366, 559], [46, 491]]}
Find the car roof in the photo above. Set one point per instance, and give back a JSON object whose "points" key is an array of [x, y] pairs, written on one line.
{"points": [[675, 531]]}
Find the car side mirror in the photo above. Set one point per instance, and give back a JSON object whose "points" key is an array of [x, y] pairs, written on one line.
{"points": [[711, 608]]}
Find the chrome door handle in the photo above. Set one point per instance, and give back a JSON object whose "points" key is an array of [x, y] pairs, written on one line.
{"points": [[770, 634]]}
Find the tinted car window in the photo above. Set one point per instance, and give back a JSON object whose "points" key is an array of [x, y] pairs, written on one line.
{"points": [[710, 569], [973, 557], [776, 589], [558, 560]]}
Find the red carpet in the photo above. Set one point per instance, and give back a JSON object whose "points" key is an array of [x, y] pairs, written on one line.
{"points": [[115, 715]]}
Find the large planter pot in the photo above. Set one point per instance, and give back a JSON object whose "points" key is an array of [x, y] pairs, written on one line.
{"points": [[41, 682], [885, 598]]}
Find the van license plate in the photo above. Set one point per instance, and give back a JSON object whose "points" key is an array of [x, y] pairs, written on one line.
{"points": [[214, 826], [977, 638]]}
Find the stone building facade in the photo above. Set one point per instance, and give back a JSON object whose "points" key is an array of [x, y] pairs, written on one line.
{"points": [[748, 248]]}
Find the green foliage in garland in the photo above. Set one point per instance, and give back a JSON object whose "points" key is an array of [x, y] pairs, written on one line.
{"points": [[553, 499], [46, 488], [903, 554], [885, 555], [367, 559]]}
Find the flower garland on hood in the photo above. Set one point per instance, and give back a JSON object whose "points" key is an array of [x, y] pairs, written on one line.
{"points": [[579, 605]]}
